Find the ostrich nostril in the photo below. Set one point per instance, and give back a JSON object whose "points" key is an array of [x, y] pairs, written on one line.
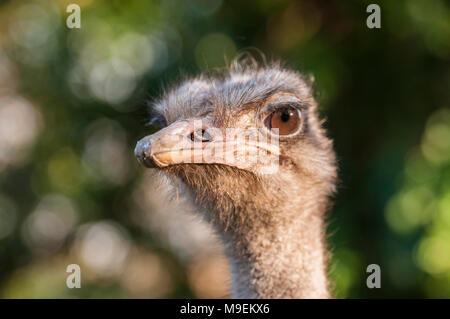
{"points": [[200, 136]]}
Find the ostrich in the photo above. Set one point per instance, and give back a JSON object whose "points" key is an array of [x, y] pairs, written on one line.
{"points": [[271, 223]]}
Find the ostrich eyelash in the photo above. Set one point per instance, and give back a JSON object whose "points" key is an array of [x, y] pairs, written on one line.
{"points": [[276, 106]]}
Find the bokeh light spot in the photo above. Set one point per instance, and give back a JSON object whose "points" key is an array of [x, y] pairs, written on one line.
{"points": [[214, 50]]}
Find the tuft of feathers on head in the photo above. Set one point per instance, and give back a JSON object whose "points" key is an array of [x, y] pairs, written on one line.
{"points": [[245, 81]]}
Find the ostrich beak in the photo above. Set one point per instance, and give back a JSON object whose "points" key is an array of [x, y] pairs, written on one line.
{"points": [[197, 142]]}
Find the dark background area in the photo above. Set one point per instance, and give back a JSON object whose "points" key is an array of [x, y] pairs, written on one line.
{"points": [[71, 105]]}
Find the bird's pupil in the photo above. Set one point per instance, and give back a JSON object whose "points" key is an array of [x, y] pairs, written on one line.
{"points": [[285, 116]]}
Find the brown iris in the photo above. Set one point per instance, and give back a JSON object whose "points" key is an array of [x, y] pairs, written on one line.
{"points": [[287, 120]]}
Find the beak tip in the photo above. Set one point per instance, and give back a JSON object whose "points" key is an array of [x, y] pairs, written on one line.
{"points": [[141, 150]]}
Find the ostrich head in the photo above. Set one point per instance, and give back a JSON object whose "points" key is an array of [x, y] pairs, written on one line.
{"points": [[275, 169]]}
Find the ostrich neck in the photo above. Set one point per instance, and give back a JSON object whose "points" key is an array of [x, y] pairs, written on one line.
{"points": [[285, 259]]}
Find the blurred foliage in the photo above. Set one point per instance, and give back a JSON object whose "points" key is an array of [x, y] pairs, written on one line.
{"points": [[70, 101]]}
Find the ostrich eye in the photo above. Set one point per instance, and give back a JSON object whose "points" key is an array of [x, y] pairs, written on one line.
{"points": [[287, 120]]}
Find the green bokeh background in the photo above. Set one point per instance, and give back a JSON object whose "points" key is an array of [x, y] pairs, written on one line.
{"points": [[71, 111]]}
